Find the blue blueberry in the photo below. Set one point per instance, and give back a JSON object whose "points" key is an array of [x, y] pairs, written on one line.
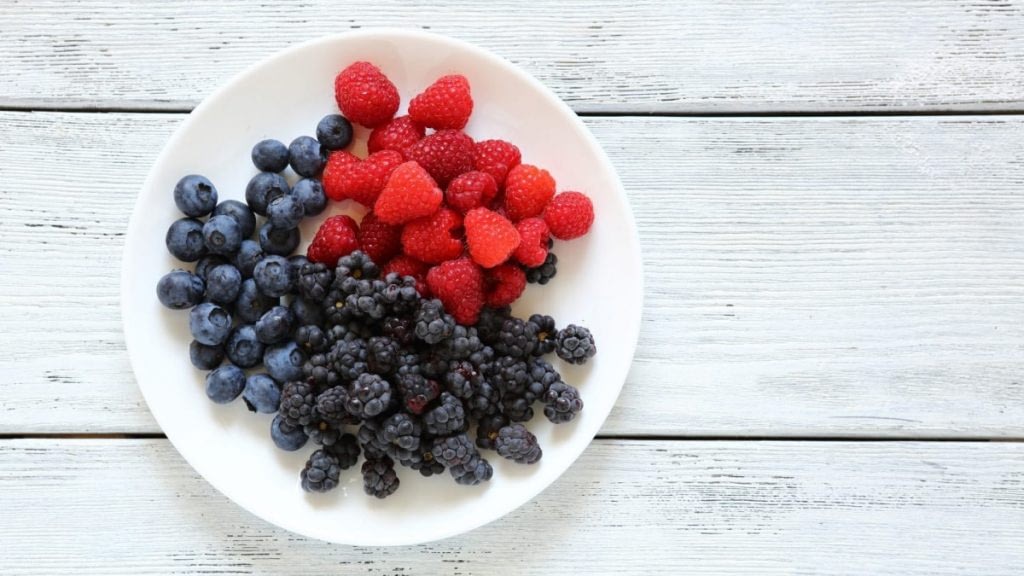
{"points": [[243, 348], [179, 289], [223, 283], [270, 155], [284, 361], [185, 240], [273, 276], [222, 234], [249, 254], [307, 156], [280, 242], [285, 437], [262, 189], [240, 212], [209, 324], [207, 263], [195, 196], [286, 212], [261, 394], [334, 132], [311, 195], [275, 325], [225, 384], [205, 357], [251, 303], [306, 312]]}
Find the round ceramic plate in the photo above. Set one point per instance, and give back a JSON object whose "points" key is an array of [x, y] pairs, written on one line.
{"points": [[599, 285]]}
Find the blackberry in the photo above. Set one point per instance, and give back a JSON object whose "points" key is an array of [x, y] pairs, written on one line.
{"points": [[382, 355], [379, 478], [314, 281], [330, 406], [402, 330], [489, 324], [398, 295], [511, 376], [347, 331], [364, 299], [319, 369], [474, 472], [321, 472], [402, 431], [545, 272], [575, 344], [517, 444], [461, 378], [424, 463], [517, 408], [417, 392], [357, 265], [370, 440], [311, 339], [516, 338], [334, 309], [463, 343], [432, 323], [562, 403], [455, 450], [368, 396], [322, 432], [408, 362], [348, 358], [542, 376], [448, 417], [486, 400], [298, 404], [346, 450], [487, 430], [545, 334], [433, 365]]}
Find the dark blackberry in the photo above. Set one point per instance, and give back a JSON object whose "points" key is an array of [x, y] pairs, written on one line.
{"points": [[474, 472], [432, 323], [322, 432], [319, 369], [516, 338], [402, 330], [545, 334], [511, 376], [321, 472], [517, 408], [382, 355], [463, 343], [334, 309], [454, 450], [357, 265], [368, 396], [370, 440], [542, 376], [483, 357], [489, 324], [417, 392], [379, 478], [486, 400], [446, 418], [399, 296], [346, 450], [402, 430], [314, 281], [487, 430], [461, 378], [517, 444], [330, 406], [562, 403], [298, 404], [575, 344], [347, 331], [424, 463], [408, 362], [363, 298], [545, 272], [348, 357], [433, 365], [311, 339]]}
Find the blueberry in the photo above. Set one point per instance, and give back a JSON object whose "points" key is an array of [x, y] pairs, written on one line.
{"points": [[243, 348], [195, 196], [305, 312], [286, 212], [222, 234], [262, 190], [280, 242], [275, 325], [334, 132], [307, 157], [207, 263], [240, 212], [223, 283], [273, 276], [270, 155], [261, 394], [311, 195], [249, 254], [225, 384], [205, 357], [209, 323], [185, 240], [180, 289], [284, 361], [285, 438], [251, 303]]}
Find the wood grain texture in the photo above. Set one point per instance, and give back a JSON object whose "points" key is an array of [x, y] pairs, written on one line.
{"points": [[134, 507], [604, 55]]}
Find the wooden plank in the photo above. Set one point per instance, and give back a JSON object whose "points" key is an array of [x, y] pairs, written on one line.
{"points": [[624, 508], [645, 56], [822, 277]]}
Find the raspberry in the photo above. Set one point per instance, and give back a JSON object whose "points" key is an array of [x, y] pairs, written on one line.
{"points": [[490, 236], [533, 242], [396, 135], [410, 193], [380, 240], [496, 157], [459, 284], [528, 189], [446, 103], [335, 238], [505, 284], [408, 266], [470, 190], [434, 239], [444, 154], [365, 95], [359, 180], [569, 215]]}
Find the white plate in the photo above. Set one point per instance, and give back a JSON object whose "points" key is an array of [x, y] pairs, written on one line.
{"points": [[599, 285]]}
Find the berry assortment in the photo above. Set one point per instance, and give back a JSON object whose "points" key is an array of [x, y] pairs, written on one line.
{"points": [[391, 338]]}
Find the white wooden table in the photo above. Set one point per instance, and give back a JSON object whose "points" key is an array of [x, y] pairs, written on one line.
{"points": [[830, 376]]}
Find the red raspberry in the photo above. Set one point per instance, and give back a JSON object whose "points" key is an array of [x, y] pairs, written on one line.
{"points": [[335, 238], [459, 284], [496, 157], [528, 189], [365, 95], [505, 284], [408, 266], [359, 180], [380, 240], [533, 244], [444, 154], [410, 193], [569, 215], [490, 236], [396, 135], [446, 103], [470, 190], [435, 238]]}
